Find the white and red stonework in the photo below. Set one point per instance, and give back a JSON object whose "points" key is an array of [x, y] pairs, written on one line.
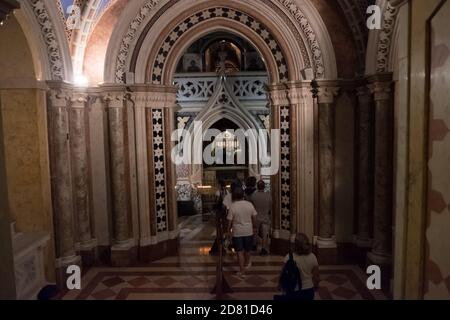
{"points": [[437, 271]]}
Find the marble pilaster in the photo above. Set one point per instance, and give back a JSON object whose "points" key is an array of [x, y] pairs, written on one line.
{"points": [[326, 113], [79, 134], [364, 167], [302, 148], [154, 105], [380, 86], [61, 174], [278, 99], [117, 127]]}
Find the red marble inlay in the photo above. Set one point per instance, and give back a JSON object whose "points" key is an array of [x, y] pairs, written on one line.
{"points": [[103, 294], [438, 130], [139, 282], [440, 55], [165, 281], [336, 280], [114, 281], [433, 273], [447, 283], [436, 202], [344, 293]]}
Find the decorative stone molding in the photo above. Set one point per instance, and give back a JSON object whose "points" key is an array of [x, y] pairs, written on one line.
{"points": [[49, 35], [380, 85], [278, 95], [212, 13], [59, 98], [129, 38], [310, 35], [285, 166], [298, 24], [326, 94], [78, 99], [157, 118], [115, 99], [279, 98], [385, 37]]}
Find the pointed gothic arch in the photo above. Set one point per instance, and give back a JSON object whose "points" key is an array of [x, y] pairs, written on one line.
{"points": [[222, 104]]}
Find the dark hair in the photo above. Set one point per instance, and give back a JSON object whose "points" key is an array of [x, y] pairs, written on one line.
{"points": [[302, 244], [48, 292], [261, 185], [222, 183], [238, 194], [236, 184], [250, 182]]}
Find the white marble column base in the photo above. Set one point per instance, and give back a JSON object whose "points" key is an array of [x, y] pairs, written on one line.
{"points": [[123, 245], [326, 242], [362, 242], [88, 245], [68, 261], [379, 258]]}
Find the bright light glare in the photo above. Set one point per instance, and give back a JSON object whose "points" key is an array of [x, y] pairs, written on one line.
{"points": [[80, 80]]}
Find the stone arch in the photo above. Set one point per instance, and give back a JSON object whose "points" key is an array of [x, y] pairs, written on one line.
{"points": [[228, 19], [51, 43], [381, 44], [277, 70], [302, 35], [211, 114]]}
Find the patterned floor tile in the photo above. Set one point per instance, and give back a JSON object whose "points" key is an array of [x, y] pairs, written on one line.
{"points": [[192, 275]]}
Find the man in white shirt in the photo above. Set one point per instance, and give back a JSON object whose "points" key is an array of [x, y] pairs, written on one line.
{"points": [[242, 225]]}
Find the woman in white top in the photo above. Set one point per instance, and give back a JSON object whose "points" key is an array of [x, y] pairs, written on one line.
{"points": [[308, 266]]}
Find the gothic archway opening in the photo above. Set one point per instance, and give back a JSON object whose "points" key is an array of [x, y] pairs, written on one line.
{"points": [[222, 82]]}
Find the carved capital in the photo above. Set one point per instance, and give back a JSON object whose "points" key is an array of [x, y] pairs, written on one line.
{"points": [[153, 96], [362, 91], [59, 98], [380, 85], [114, 99], [278, 95], [381, 90], [79, 99], [298, 91], [327, 94]]}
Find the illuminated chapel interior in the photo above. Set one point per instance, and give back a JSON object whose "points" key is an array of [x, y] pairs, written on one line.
{"points": [[94, 96]]}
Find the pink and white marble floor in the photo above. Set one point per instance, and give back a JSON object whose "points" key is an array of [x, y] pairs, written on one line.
{"points": [[191, 275]]}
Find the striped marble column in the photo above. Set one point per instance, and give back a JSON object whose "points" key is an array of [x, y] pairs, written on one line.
{"points": [[121, 251], [79, 133], [327, 92], [380, 86], [61, 179], [364, 171]]}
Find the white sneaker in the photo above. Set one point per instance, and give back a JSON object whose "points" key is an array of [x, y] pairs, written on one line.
{"points": [[248, 266], [240, 275]]}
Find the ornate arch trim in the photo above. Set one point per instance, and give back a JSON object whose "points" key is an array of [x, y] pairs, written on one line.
{"points": [[381, 41], [215, 13], [296, 21], [310, 35], [52, 40], [132, 32], [385, 37]]}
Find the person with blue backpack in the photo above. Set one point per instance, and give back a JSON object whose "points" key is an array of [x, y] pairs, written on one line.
{"points": [[299, 278]]}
